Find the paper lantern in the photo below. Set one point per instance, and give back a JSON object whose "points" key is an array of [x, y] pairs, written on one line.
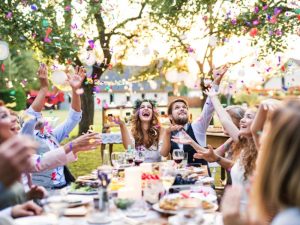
{"points": [[4, 50], [59, 80]]}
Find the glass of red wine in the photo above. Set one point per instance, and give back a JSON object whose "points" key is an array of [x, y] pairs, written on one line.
{"points": [[139, 157], [178, 155]]}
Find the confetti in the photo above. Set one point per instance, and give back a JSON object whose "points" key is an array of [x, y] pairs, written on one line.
{"points": [[47, 39], [9, 15], [253, 32], [45, 23], [34, 7], [91, 44], [68, 8]]}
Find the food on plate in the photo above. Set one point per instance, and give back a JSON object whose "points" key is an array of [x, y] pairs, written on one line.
{"points": [[169, 203], [190, 203], [179, 180], [123, 203], [81, 188], [207, 205]]}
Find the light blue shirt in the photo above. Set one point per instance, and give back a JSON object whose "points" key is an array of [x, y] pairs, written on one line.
{"points": [[289, 216], [51, 140]]}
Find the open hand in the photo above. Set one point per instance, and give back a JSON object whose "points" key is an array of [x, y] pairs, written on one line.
{"points": [[184, 139], [211, 92], [115, 119], [208, 154], [270, 104], [76, 80], [85, 142], [26, 209], [43, 75], [219, 73]]}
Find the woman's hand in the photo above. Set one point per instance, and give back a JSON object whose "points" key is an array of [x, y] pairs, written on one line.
{"points": [[84, 142], [211, 92], [219, 73], [26, 209], [76, 80], [270, 104], [116, 119], [208, 154]]}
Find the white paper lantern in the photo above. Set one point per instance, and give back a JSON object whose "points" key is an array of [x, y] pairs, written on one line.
{"points": [[4, 50], [153, 84], [190, 81], [59, 80], [172, 76]]}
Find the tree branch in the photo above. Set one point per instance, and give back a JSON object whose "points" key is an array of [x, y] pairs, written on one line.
{"points": [[124, 35], [122, 24]]}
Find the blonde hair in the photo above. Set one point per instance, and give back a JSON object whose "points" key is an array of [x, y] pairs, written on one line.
{"points": [[236, 113], [278, 169]]}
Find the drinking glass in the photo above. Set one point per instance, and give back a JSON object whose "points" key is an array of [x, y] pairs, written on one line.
{"points": [[139, 157], [117, 159], [56, 203], [178, 155], [167, 177]]}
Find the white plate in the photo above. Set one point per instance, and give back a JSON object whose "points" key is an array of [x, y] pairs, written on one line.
{"points": [[36, 220], [158, 209]]}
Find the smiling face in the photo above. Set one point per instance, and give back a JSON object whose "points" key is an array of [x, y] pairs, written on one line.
{"points": [[246, 122], [8, 124], [179, 114], [146, 112]]}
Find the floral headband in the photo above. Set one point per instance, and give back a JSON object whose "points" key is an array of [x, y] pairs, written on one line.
{"points": [[137, 103]]}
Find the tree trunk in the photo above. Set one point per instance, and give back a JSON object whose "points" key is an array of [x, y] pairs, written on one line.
{"points": [[87, 106]]}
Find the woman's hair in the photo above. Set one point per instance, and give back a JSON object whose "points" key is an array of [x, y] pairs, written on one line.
{"points": [[2, 103], [278, 174], [246, 150], [154, 130], [236, 113]]}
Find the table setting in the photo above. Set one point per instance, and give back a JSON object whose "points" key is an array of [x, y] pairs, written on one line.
{"points": [[168, 192]]}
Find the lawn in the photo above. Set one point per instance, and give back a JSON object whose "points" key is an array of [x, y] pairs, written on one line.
{"points": [[88, 161]]}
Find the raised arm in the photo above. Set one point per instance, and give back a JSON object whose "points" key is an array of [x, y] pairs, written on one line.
{"points": [[224, 117], [39, 101], [201, 124], [260, 118], [75, 114]]}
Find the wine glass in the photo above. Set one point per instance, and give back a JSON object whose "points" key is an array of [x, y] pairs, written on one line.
{"points": [[139, 157], [129, 157], [167, 177], [178, 155], [117, 159], [56, 203]]}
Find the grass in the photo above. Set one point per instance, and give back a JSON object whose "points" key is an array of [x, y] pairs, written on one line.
{"points": [[90, 160]]}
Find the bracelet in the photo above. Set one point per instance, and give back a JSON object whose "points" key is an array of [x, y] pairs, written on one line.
{"points": [[71, 146], [218, 159]]}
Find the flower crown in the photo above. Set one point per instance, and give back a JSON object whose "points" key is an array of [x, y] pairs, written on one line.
{"points": [[137, 103]]}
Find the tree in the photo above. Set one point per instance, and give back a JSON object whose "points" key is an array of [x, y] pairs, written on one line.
{"points": [[218, 21], [47, 27]]}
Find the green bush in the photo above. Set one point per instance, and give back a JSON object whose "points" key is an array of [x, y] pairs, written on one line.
{"points": [[14, 98]]}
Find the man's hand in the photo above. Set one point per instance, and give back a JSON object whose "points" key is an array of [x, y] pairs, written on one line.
{"points": [[76, 80], [185, 140], [43, 75], [219, 73], [15, 156], [173, 128], [26, 209]]}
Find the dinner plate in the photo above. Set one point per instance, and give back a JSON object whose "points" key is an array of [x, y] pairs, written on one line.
{"points": [[82, 193], [36, 220]]}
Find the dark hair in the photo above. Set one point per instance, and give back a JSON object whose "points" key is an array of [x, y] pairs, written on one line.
{"points": [[138, 102], [170, 107], [2, 103]]}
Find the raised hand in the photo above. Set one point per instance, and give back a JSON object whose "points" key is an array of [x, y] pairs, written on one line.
{"points": [[43, 75], [270, 104], [219, 73], [36, 192], [211, 92], [116, 120], [174, 128], [76, 80]]}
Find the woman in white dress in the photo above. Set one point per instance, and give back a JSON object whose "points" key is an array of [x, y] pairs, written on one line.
{"points": [[146, 131]]}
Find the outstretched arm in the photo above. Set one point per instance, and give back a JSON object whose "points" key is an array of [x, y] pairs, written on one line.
{"points": [[224, 117], [201, 124], [260, 118]]}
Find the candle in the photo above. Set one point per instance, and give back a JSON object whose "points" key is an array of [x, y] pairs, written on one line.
{"points": [[146, 167], [133, 184]]}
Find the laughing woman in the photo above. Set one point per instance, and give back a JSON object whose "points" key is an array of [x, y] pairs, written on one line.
{"points": [[146, 131]]}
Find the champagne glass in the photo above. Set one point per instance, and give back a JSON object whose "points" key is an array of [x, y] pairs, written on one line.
{"points": [[178, 155], [167, 176], [117, 159], [139, 157]]}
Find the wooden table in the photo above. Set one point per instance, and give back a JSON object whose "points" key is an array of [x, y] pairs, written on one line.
{"points": [[216, 139]]}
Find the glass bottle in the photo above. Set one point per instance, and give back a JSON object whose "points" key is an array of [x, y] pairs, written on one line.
{"points": [[106, 158]]}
